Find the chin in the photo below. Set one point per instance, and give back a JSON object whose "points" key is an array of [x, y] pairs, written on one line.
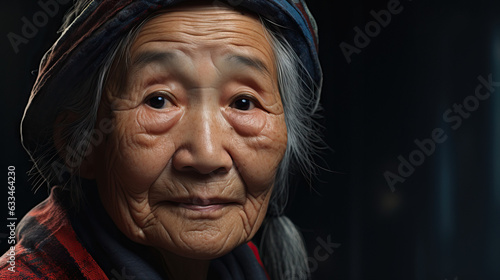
{"points": [[202, 245], [199, 232]]}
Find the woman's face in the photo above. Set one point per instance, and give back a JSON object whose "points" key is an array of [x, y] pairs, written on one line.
{"points": [[198, 135]]}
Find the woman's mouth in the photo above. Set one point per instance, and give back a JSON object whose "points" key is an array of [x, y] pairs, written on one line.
{"points": [[203, 208], [202, 204]]}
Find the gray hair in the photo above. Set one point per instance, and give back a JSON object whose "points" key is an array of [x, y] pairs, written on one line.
{"points": [[282, 247]]}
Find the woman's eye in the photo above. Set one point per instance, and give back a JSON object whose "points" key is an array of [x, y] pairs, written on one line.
{"points": [[157, 102], [243, 104]]}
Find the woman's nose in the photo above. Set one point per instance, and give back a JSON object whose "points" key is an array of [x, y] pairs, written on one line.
{"points": [[204, 147]]}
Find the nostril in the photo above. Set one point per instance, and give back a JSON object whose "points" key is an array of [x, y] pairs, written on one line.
{"points": [[202, 171], [220, 171]]}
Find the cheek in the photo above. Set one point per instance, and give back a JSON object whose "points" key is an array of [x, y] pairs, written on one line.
{"points": [[260, 149], [138, 150]]}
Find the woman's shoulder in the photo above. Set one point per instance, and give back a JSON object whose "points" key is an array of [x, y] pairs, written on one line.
{"points": [[47, 246]]}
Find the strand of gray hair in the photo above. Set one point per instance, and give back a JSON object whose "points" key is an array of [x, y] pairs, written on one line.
{"points": [[282, 247]]}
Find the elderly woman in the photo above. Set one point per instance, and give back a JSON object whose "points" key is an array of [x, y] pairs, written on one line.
{"points": [[169, 129]]}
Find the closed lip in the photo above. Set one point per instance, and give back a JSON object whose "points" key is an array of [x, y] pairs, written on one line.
{"points": [[202, 208], [199, 201], [202, 204]]}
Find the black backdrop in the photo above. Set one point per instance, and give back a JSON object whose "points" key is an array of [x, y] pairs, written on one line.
{"points": [[408, 80]]}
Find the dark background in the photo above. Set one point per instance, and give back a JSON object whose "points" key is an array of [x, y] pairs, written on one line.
{"points": [[443, 221]]}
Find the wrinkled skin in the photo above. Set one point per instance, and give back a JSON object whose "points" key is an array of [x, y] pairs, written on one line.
{"points": [[198, 135]]}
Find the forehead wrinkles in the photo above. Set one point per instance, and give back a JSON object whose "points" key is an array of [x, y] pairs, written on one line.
{"points": [[205, 26]]}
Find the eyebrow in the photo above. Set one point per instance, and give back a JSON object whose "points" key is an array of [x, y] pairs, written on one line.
{"points": [[166, 57], [148, 57], [250, 62]]}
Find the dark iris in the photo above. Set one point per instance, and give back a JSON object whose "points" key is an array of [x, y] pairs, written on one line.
{"points": [[243, 104], [156, 102]]}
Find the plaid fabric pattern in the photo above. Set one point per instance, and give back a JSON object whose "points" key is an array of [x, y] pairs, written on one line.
{"points": [[48, 248]]}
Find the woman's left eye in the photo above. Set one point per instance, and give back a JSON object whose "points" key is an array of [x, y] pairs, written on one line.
{"points": [[157, 102], [243, 104]]}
